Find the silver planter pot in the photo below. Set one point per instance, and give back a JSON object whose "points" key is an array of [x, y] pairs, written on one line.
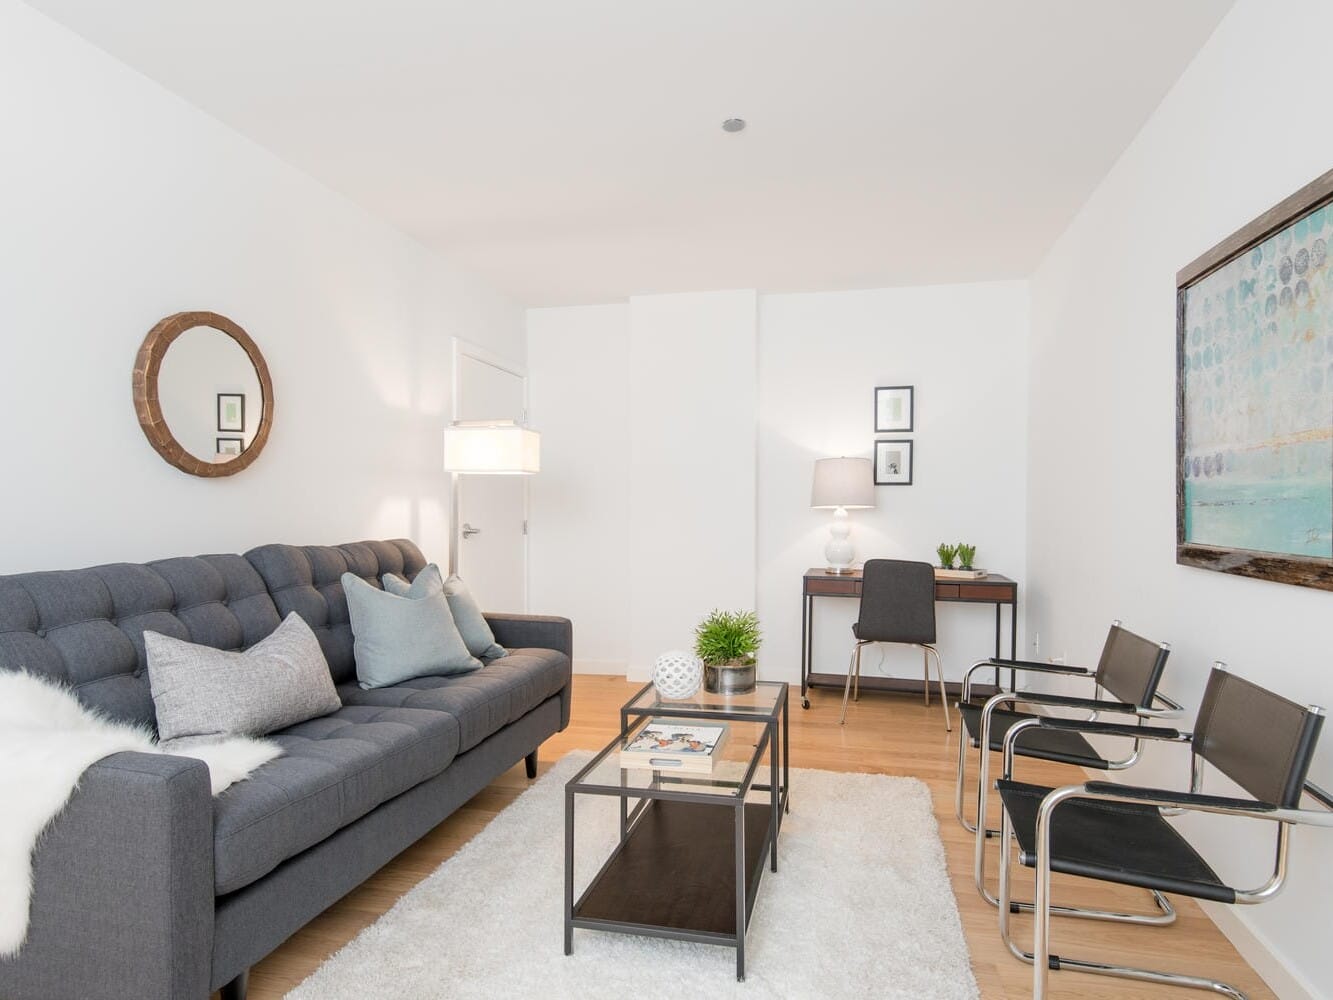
{"points": [[729, 678]]}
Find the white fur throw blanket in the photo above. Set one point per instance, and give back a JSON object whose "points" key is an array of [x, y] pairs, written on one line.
{"points": [[47, 740]]}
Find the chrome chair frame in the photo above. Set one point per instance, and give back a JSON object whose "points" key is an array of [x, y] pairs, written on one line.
{"points": [[927, 649], [996, 663], [1168, 708], [1165, 914], [1170, 803]]}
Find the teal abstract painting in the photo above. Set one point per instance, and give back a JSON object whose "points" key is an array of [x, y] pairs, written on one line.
{"points": [[1256, 397]]}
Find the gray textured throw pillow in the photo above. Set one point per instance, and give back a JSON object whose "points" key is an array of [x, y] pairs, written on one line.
{"points": [[398, 638], [201, 691], [472, 624]]}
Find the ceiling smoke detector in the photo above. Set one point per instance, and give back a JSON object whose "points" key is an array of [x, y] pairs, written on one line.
{"points": [[733, 125]]}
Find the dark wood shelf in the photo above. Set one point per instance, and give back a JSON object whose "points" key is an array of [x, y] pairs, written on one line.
{"points": [[898, 685], [677, 869]]}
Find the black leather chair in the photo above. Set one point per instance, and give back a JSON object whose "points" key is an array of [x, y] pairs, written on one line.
{"points": [[1118, 833], [898, 606], [1125, 682]]}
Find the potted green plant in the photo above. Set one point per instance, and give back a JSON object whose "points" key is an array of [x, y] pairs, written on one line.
{"points": [[966, 553], [726, 641], [947, 553]]}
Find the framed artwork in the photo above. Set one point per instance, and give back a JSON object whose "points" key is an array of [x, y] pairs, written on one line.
{"points": [[231, 411], [893, 408], [893, 463], [1254, 397], [230, 446]]}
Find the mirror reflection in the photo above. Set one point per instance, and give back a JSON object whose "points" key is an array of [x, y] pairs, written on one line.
{"points": [[210, 395]]}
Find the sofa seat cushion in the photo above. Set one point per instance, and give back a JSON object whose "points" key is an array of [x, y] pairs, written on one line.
{"points": [[483, 702], [334, 770]]}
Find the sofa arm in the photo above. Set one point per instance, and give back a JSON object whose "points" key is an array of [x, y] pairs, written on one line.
{"points": [[539, 632], [533, 631], [122, 905]]}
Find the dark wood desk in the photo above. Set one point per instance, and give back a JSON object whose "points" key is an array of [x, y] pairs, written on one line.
{"points": [[990, 589]]}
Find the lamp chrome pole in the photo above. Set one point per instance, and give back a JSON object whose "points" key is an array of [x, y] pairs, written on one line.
{"points": [[455, 503]]}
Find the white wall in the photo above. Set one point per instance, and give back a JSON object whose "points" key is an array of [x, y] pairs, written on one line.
{"points": [[692, 465], [1245, 127], [963, 347], [679, 451], [578, 548], [124, 204]]}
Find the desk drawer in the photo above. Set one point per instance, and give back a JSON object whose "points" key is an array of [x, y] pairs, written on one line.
{"points": [[831, 587], [946, 591], [988, 592]]}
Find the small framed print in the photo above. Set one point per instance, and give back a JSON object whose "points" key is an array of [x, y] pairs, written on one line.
{"points": [[893, 408], [893, 463], [230, 446], [231, 411]]}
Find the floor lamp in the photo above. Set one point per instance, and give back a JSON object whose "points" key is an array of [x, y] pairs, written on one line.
{"points": [[485, 448]]}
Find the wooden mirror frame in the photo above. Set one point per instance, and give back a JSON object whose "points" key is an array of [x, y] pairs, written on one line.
{"points": [[148, 405]]}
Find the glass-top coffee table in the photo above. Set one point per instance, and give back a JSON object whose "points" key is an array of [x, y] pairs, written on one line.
{"points": [[691, 847]]}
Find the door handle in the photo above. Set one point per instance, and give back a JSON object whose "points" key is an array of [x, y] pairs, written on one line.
{"points": [[469, 531]]}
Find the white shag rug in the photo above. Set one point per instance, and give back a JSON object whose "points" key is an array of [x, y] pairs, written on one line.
{"points": [[860, 906]]}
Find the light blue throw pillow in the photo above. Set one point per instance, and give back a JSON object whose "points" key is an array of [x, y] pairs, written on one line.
{"points": [[398, 638], [472, 624]]}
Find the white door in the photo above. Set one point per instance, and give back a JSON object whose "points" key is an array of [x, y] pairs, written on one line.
{"points": [[492, 554]]}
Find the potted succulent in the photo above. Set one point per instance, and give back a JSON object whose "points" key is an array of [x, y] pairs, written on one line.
{"points": [[726, 641], [966, 553], [947, 553]]}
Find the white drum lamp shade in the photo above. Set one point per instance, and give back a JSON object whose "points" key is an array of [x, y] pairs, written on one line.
{"points": [[485, 448], [497, 448], [842, 484]]}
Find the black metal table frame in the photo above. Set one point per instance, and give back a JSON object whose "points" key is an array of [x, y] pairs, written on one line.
{"points": [[778, 789], [770, 720], [808, 634]]}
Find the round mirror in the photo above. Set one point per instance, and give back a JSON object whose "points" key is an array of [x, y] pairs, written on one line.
{"points": [[203, 394]]}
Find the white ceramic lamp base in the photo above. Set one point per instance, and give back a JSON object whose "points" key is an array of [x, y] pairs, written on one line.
{"points": [[838, 552]]}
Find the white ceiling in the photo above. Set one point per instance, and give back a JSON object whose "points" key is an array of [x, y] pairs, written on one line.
{"points": [[571, 151]]}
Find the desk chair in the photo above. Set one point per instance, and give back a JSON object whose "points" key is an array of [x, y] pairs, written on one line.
{"points": [[1117, 833], [1129, 671], [897, 606]]}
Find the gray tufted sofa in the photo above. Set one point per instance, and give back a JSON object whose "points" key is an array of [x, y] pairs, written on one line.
{"points": [[149, 888]]}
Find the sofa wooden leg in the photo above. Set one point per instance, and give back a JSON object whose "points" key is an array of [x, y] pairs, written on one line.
{"points": [[236, 989], [531, 762]]}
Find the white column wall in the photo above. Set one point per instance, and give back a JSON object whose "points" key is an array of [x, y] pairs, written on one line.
{"points": [[679, 444], [692, 465], [579, 398]]}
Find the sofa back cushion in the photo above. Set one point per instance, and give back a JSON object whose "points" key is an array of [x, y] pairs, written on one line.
{"points": [[85, 627], [307, 579]]}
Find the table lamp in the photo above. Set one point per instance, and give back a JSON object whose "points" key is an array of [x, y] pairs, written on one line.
{"points": [[842, 484]]}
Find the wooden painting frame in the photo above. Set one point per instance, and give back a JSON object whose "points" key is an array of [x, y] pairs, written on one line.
{"points": [[1284, 567]]}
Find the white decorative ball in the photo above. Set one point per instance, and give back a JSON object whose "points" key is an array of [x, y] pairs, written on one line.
{"points": [[678, 674]]}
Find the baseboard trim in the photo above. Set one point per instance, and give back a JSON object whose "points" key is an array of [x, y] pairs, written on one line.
{"points": [[603, 667], [1258, 951]]}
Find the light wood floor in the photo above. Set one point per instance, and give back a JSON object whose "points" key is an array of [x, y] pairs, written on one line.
{"points": [[888, 734]]}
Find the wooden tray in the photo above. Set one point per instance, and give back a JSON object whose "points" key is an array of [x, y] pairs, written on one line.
{"points": [[959, 574]]}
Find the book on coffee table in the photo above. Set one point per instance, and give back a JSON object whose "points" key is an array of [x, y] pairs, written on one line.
{"points": [[675, 745]]}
